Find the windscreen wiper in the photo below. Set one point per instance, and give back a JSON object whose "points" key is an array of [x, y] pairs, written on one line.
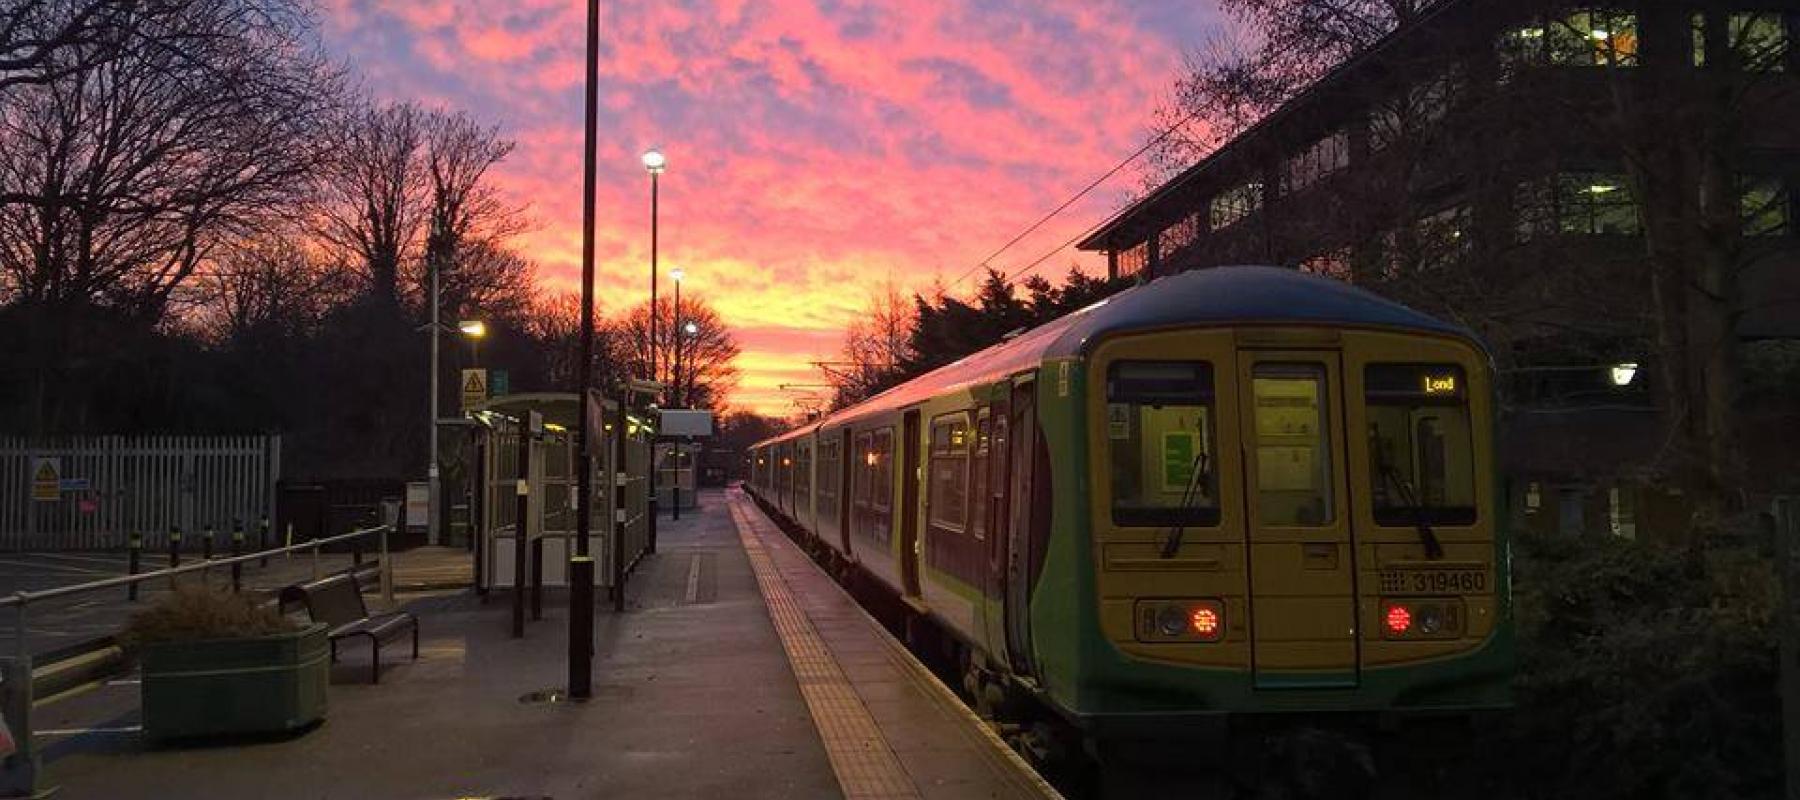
{"points": [[1173, 543], [1434, 549]]}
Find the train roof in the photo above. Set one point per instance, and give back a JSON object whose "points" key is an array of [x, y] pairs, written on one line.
{"points": [[1200, 297]]}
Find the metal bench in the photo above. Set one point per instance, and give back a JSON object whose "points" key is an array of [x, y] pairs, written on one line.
{"points": [[337, 601]]}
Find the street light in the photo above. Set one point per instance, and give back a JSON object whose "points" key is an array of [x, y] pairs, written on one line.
{"points": [[1623, 373], [474, 329], [654, 163]]}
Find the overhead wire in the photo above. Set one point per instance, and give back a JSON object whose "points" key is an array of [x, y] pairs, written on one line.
{"points": [[1091, 186]]}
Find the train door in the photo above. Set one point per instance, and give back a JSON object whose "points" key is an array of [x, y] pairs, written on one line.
{"points": [[1016, 556], [993, 582], [909, 504], [1301, 552]]}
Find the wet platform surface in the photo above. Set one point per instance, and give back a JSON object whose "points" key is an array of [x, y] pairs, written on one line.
{"points": [[738, 670]]}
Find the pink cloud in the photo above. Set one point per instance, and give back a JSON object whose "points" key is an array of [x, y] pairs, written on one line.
{"points": [[817, 147]]}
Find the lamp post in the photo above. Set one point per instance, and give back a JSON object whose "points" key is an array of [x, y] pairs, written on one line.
{"points": [[675, 392], [581, 564], [474, 329], [654, 163]]}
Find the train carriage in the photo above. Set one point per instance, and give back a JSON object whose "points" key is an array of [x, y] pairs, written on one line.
{"points": [[1235, 490]]}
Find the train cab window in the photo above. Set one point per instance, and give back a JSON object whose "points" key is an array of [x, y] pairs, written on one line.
{"points": [[1421, 454], [1160, 439], [1293, 445], [948, 491]]}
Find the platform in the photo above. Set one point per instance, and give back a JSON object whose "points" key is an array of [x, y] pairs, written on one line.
{"points": [[737, 670]]}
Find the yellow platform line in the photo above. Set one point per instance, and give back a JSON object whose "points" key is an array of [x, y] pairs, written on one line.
{"points": [[864, 763]]}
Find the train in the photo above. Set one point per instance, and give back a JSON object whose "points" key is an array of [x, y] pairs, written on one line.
{"points": [[1223, 494]]}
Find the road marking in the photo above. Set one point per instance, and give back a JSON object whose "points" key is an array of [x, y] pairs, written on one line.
{"points": [[693, 583], [64, 567], [85, 731], [864, 762], [117, 562]]}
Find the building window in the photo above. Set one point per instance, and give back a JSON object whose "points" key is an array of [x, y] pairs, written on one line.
{"points": [[1593, 38], [1232, 205], [1765, 206], [1585, 38], [1443, 238], [1697, 35], [1184, 232], [1331, 264], [1576, 203], [1411, 112], [1322, 158], [1132, 260], [1758, 40]]}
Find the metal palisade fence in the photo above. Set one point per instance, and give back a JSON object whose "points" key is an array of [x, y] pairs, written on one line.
{"points": [[91, 493]]}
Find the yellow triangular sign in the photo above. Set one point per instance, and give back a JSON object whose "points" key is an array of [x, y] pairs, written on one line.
{"points": [[46, 472], [472, 383]]}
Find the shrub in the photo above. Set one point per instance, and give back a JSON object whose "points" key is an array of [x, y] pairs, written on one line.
{"points": [[191, 614], [1644, 672]]}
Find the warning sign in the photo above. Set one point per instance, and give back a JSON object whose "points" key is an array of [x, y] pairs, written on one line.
{"points": [[474, 387], [46, 479]]}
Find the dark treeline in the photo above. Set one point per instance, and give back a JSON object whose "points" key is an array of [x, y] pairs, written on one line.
{"points": [[896, 339], [207, 227]]}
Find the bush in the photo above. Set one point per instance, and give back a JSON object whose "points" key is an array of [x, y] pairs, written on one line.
{"points": [[1644, 672], [191, 614]]}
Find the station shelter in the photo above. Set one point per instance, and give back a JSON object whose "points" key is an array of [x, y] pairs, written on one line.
{"points": [[619, 530]]}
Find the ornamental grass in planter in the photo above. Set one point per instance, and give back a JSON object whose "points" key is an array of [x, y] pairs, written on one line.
{"points": [[218, 664]]}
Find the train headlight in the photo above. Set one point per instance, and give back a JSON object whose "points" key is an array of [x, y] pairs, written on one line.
{"points": [[1431, 620], [1171, 622]]}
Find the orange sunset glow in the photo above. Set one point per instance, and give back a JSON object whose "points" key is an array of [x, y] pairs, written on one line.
{"points": [[816, 148]]}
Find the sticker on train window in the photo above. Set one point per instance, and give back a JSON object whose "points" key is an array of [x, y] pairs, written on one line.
{"points": [[1118, 420]]}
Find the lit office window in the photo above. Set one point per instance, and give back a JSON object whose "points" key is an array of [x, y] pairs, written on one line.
{"points": [[1764, 206], [1758, 40], [1232, 205], [1697, 35], [1590, 203], [1593, 38]]}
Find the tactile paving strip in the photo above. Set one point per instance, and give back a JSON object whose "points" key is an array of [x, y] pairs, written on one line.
{"points": [[865, 764]]}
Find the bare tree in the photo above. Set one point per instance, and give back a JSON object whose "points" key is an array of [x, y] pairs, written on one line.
{"points": [[469, 218], [268, 286], [119, 177], [43, 40], [875, 345], [706, 356], [376, 197]]}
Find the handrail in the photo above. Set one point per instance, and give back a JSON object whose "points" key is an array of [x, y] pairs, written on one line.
{"points": [[22, 598]]}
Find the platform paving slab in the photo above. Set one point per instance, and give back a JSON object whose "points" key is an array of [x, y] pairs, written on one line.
{"points": [[693, 698]]}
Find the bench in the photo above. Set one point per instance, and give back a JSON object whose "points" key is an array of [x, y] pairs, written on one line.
{"points": [[337, 601]]}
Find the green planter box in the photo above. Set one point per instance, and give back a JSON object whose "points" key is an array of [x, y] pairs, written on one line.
{"points": [[221, 687]]}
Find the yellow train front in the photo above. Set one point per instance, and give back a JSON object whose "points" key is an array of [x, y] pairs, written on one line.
{"points": [[1243, 490]]}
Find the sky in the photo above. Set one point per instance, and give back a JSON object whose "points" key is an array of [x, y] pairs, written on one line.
{"points": [[817, 149]]}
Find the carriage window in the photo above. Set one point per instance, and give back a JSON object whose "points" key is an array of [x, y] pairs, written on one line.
{"points": [[1421, 455], [802, 469], [881, 463], [1160, 433], [1293, 450], [949, 488]]}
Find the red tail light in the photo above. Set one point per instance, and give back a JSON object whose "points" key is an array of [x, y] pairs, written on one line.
{"points": [[1399, 619]]}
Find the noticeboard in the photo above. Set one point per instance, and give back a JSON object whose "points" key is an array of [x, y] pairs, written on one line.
{"points": [[46, 479]]}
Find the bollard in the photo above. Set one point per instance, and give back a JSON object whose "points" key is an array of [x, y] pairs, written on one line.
{"points": [[537, 578], [134, 549], [237, 549], [262, 538], [174, 551]]}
